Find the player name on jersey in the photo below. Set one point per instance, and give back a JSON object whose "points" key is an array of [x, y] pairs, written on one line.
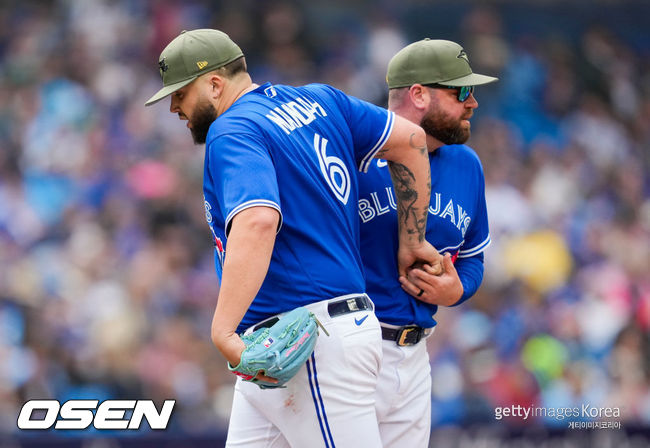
{"points": [[369, 209], [295, 114]]}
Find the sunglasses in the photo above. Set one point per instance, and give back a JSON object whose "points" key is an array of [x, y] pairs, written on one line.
{"points": [[463, 92]]}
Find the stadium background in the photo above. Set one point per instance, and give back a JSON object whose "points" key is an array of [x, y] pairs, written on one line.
{"points": [[107, 285]]}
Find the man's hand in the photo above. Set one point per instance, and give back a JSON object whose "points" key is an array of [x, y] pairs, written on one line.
{"points": [[232, 347], [408, 256], [437, 289], [273, 355]]}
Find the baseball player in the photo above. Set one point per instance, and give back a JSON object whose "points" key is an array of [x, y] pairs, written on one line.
{"points": [[280, 189], [431, 83]]}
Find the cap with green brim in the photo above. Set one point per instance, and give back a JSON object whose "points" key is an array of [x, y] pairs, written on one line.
{"points": [[432, 61], [190, 55]]}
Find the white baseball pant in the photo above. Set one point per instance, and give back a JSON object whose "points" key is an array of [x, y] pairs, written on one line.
{"points": [[404, 395], [330, 402]]}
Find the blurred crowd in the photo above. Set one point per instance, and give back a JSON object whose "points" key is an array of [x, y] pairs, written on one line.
{"points": [[107, 284]]}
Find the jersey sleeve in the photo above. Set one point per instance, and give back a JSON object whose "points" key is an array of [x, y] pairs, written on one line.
{"points": [[477, 236], [370, 126], [243, 174], [469, 264]]}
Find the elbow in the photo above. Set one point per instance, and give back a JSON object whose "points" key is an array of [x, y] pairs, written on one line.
{"points": [[214, 339], [215, 336]]}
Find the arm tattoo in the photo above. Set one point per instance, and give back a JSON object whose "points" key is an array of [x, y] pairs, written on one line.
{"points": [[408, 216], [422, 149], [385, 149], [381, 152]]}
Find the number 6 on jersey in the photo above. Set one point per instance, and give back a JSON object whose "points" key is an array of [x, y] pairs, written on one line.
{"points": [[332, 168]]}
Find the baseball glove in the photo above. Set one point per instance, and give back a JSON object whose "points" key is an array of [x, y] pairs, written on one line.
{"points": [[280, 350]]}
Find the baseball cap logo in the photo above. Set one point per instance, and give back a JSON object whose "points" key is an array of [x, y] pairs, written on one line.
{"points": [[463, 55], [189, 55], [163, 65]]}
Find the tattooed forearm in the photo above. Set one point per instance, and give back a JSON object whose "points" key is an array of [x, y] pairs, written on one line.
{"points": [[410, 218]]}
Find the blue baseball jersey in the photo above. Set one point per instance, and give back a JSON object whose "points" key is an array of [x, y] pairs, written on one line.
{"points": [[457, 223], [295, 149]]}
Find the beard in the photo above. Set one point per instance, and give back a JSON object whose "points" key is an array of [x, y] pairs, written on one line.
{"points": [[444, 128], [202, 117]]}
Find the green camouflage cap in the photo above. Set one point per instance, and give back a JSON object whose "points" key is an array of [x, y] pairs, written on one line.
{"points": [[433, 62], [190, 55]]}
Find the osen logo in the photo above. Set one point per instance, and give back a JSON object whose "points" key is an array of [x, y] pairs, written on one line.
{"points": [[78, 414]]}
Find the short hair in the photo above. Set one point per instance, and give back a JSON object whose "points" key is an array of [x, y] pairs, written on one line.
{"points": [[396, 96], [233, 68]]}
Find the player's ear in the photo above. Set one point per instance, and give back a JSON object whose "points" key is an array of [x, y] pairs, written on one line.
{"points": [[420, 96], [216, 84]]}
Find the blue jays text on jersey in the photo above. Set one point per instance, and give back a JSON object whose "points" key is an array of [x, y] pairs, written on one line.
{"points": [[381, 201], [457, 224], [295, 149]]}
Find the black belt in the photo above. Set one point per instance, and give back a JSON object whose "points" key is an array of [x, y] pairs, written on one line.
{"points": [[334, 308], [349, 305], [408, 335]]}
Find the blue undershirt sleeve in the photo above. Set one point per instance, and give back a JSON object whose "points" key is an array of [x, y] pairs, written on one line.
{"points": [[470, 272]]}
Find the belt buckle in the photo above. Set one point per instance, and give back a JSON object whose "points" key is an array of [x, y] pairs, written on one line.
{"points": [[352, 305], [403, 334]]}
